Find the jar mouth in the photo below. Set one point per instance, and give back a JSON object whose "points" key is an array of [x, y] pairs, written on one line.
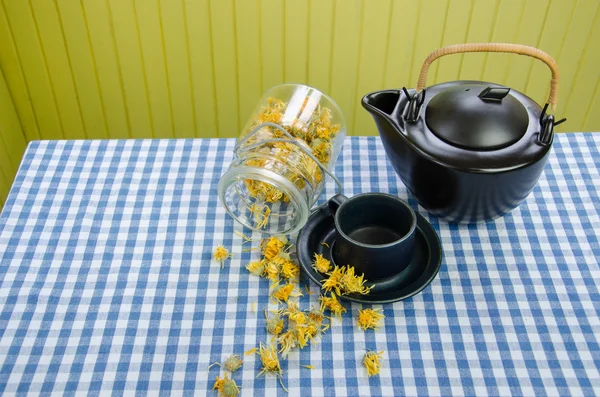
{"points": [[273, 215]]}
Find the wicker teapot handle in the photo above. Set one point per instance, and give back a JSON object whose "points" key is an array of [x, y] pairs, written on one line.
{"points": [[496, 47]]}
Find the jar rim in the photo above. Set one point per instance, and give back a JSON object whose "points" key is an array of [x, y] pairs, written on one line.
{"points": [[288, 188]]}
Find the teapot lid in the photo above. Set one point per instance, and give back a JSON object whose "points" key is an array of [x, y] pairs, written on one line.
{"points": [[477, 117]]}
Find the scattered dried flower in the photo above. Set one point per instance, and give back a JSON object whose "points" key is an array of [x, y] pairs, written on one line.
{"points": [[226, 387], [256, 267], [369, 318], [321, 264], [284, 292], [269, 359], [221, 254], [332, 304], [371, 362], [251, 351]]}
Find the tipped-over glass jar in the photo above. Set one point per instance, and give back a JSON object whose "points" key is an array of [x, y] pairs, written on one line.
{"points": [[282, 158]]}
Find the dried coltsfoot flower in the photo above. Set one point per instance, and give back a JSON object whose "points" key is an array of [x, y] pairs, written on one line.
{"points": [[226, 387], [269, 359], [289, 270], [369, 318], [321, 264], [371, 362], [343, 281], [256, 267], [332, 304], [221, 254], [354, 284], [272, 246], [284, 292], [275, 324], [233, 363]]}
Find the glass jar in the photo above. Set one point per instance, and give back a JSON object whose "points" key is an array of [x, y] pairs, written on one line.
{"points": [[282, 159]]}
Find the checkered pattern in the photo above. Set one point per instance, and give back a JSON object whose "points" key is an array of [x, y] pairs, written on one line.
{"points": [[107, 283]]}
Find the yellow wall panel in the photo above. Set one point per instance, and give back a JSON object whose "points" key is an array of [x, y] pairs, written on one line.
{"points": [[348, 26], [10, 66], [178, 67], [199, 32], [196, 68], [110, 81], [59, 68], [249, 57], [369, 76], [222, 14], [33, 62], [320, 38], [12, 140], [82, 66], [148, 18]]}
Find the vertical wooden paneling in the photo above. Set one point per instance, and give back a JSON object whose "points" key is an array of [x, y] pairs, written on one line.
{"points": [[98, 22], [199, 34], [572, 52], [430, 29], [401, 44], [374, 40], [178, 67], [82, 66], [248, 55], [222, 13], [59, 68], [320, 38], [10, 66], [552, 40], [131, 65], [155, 66], [272, 39], [580, 100], [32, 60], [348, 26], [296, 41], [11, 132], [183, 68], [506, 28], [457, 25], [481, 26], [529, 33], [12, 140]]}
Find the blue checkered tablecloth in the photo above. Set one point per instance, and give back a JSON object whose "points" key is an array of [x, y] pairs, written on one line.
{"points": [[107, 284]]}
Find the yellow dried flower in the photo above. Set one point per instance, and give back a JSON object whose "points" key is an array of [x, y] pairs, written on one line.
{"points": [[233, 363], [288, 340], [321, 264], [256, 267], [369, 318], [271, 271], [226, 387], [271, 247], [371, 362], [343, 281], [289, 270], [352, 283], [284, 292], [332, 304], [308, 366], [274, 324], [334, 281], [221, 254], [261, 214], [269, 359]]}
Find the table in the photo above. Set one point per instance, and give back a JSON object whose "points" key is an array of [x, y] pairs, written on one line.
{"points": [[107, 283]]}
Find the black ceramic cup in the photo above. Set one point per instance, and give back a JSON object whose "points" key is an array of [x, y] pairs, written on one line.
{"points": [[375, 233]]}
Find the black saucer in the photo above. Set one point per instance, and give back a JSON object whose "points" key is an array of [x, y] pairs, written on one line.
{"points": [[318, 236]]}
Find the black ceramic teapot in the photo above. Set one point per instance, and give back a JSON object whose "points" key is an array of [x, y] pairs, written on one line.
{"points": [[468, 151]]}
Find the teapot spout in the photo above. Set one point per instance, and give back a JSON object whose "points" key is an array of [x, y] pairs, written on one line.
{"points": [[383, 105]]}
